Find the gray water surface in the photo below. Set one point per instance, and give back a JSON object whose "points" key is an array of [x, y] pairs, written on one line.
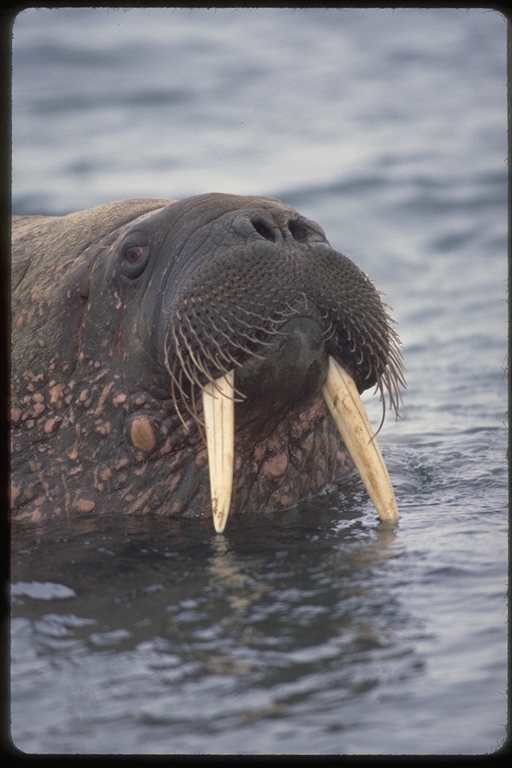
{"points": [[317, 630]]}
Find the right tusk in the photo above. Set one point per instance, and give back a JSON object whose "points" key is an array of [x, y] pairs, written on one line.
{"points": [[219, 419], [347, 409]]}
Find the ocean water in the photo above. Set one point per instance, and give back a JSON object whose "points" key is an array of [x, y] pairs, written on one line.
{"points": [[316, 631]]}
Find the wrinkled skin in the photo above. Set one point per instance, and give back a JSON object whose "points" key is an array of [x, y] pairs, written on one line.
{"points": [[123, 312]]}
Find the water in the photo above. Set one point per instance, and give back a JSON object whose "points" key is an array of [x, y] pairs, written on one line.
{"points": [[317, 630]]}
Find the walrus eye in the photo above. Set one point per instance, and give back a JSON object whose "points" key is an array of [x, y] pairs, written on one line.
{"points": [[133, 260]]}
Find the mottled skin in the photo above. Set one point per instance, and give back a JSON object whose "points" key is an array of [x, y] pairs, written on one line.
{"points": [[121, 313]]}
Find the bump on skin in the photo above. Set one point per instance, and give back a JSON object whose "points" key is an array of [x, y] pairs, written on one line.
{"points": [[142, 434]]}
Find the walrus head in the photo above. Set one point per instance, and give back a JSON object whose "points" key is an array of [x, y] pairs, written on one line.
{"points": [[219, 334]]}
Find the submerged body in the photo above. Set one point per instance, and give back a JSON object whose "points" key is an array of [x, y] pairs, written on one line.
{"points": [[174, 358]]}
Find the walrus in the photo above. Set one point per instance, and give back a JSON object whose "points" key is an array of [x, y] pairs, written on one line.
{"points": [[196, 357]]}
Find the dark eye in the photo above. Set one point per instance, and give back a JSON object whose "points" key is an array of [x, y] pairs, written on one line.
{"points": [[134, 258]]}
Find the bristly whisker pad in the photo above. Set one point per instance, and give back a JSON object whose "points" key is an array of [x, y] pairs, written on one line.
{"points": [[246, 311]]}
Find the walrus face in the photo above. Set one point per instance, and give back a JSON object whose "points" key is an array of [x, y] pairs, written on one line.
{"points": [[230, 322]]}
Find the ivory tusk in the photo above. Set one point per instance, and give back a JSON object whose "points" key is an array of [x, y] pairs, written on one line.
{"points": [[219, 418], [347, 409]]}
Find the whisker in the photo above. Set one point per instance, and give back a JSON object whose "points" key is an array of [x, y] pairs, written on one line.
{"points": [[208, 338]]}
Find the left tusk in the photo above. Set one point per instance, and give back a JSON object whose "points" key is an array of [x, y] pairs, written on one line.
{"points": [[347, 409], [219, 418]]}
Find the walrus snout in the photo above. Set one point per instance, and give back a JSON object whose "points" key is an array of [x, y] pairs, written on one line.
{"points": [[269, 269]]}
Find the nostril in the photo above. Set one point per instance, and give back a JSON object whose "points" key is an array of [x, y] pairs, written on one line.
{"points": [[263, 230], [298, 229]]}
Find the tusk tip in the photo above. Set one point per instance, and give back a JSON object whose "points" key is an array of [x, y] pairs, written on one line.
{"points": [[390, 516], [219, 524]]}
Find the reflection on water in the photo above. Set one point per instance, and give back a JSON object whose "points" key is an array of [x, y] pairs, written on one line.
{"points": [[270, 615]]}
